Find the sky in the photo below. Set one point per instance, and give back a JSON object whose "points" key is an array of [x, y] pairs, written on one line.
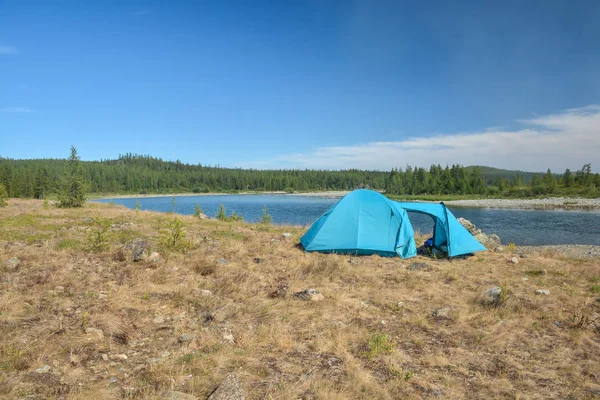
{"points": [[304, 84]]}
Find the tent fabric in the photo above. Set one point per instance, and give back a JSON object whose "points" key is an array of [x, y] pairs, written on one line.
{"points": [[362, 222], [448, 233]]}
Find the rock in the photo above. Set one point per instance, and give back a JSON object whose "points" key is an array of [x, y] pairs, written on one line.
{"points": [[228, 338], [88, 220], [354, 261], [491, 296], [229, 389], [159, 320], [286, 235], [468, 225], [491, 241], [139, 249], [43, 369], [174, 395], [258, 260], [224, 312], [493, 238], [523, 255], [514, 260], [202, 293], [445, 312], [309, 295], [186, 337], [94, 334], [222, 261], [154, 257], [416, 266], [12, 264], [499, 249], [203, 216], [544, 292], [121, 357], [104, 357]]}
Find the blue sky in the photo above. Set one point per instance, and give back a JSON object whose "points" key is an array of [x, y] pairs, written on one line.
{"points": [[308, 84]]}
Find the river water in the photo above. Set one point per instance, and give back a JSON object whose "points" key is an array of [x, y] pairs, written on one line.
{"points": [[523, 227]]}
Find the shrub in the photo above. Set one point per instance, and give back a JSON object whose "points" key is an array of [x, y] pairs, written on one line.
{"points": [[221, 213], [98, 237], [198, 211], [173, 235], [235, 217], [379, 344], [266, 218]]}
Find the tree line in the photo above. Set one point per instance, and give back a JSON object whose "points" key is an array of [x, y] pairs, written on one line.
{"points": [[141, 174]]}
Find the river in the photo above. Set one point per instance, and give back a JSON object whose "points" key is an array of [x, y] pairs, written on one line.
{"points": [[522, 227]]}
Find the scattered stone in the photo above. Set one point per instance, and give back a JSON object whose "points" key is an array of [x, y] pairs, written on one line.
{"points": [[139, 249], [491, 296], [43, 369], [524, 279], [309, 295], [203, 216], [514, 260], [94, 334], [154, 257], [174, 395], [280, 292], [499, 249], [222, 261], [417, 266], [523, 255], [544, 292], [59, 289], [228, 338], [354, 261], [186, 337], [202, 293], [104, 357], [491, 241], [258, 260], [159, 320], [121, 357], [224, 312], [12, 264], [88, 220], [229, 389], [448, 312], [286, 235]]}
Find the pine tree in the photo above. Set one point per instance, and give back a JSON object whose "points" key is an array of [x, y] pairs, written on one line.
{"points": [[3, 195], [72, 185]]}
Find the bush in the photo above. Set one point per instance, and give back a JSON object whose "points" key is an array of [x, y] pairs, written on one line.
{"points": [[221, 213], [379, 344], [266, 218], [72, 184], [173, 235], [198, 211], [98, 237]]}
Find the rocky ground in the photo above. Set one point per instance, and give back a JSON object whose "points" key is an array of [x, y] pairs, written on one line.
{"points": [[566, 203], [108, 303]]}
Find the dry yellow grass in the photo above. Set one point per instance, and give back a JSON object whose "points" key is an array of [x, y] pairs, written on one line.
{"points": [[372, 337]]}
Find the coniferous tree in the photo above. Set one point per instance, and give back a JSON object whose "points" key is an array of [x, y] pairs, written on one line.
{"points": [[3, 195], [72, 186]]}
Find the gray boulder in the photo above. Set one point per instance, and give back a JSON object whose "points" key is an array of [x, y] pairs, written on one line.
{"points": [[492, 296], [139, 249], [491, 241], [309, 295], [12, 264], [229, 389], [544, 292]]}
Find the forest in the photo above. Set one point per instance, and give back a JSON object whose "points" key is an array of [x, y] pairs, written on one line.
{"points": [[142, 174]]}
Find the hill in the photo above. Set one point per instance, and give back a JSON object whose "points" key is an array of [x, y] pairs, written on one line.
{"points": [[80, 319]]}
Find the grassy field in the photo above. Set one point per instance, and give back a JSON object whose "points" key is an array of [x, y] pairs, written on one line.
{"points": [[80, 320]]}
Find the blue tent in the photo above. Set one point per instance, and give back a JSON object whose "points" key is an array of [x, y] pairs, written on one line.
{"points": [[363, 222], [448, 234]]}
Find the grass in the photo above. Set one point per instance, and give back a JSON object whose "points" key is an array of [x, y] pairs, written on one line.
{"points": [[372, 337]]}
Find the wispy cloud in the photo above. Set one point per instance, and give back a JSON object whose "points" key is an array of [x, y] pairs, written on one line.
{"points": [[16, 110], [142, 12], [8, 50], [558, 141]]}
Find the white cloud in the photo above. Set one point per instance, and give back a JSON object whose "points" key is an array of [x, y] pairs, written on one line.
{"points": [[8, 50], [16, 110], [557, 141]]}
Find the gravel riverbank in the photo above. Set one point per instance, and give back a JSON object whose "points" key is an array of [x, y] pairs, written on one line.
{"points": [[563, 250], [565, 203]]}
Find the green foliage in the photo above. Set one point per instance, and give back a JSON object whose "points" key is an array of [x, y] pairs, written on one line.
{"points": [[137, 206], [511, 247], [3, 195], [173, 203], [98, 235], [198, 211], [72, 183], [221, 213], [46, 204], [266, 218], [379, 344], [235, 217], [173, 235]]}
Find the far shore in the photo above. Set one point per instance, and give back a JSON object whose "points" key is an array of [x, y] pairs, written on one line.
{"points": [[550, 203]]}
